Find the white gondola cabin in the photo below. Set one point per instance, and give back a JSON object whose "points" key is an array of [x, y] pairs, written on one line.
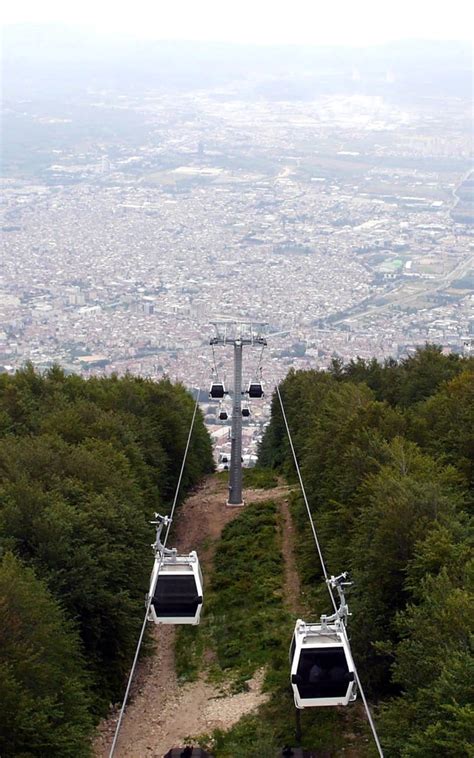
{"points": [[176, 590], [245, 412], [255, 390], [223, 415], [217, 391], [322, 669]]}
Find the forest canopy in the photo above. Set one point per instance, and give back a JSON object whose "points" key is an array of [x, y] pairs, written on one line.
{"points": [[386, 453], [84, 465]]}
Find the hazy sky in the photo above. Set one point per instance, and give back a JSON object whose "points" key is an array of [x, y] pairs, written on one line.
{"points": [[351, 22]]}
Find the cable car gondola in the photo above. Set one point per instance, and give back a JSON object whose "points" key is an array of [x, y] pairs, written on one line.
{"points": [[177, 589], [217, 391], [223, 415], [322, 669], [245, 412], [255, 390]]}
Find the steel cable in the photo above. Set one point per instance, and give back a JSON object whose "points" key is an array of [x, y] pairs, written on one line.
{"points": [[150, 597], [326, 576]]}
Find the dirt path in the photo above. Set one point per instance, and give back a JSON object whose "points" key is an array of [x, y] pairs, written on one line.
{"points": [[161, 713], [292, 589]]}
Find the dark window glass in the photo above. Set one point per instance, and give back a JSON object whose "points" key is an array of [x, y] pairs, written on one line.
{"points": [[323, 673], [176, 596]]}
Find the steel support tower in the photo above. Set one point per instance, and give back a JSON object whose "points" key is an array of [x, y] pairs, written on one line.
{"points": [[238, 334]]}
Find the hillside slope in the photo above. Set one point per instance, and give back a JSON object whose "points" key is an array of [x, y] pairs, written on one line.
{"points": [[387, 457], [83, 467]]}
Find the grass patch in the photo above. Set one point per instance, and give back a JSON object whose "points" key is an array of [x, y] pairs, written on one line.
{"points": [[189, 651], [259, 478], [254, 478], [222, 476], [245, 614], [314, 595], [243, 620], [265, 732], [249, 737], [247, 626]]}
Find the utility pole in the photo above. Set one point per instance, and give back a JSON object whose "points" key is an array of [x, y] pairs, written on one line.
{"points": [[238, 334]]}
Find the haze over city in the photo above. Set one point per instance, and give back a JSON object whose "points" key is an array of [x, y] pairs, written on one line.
{"points": [[307, 167], [262, 22]]}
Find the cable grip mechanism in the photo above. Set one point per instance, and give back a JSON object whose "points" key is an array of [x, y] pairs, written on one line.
{"points": [[158, 547], [340, 616]]}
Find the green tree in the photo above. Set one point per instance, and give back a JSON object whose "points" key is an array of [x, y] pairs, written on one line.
{"points": [[75, 513], [44, 688], [434, 666], [400, 503], [386, 453], [444, 423]]}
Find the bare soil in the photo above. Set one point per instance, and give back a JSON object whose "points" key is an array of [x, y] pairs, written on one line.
{"points": [[292, 587], [162, 713]]}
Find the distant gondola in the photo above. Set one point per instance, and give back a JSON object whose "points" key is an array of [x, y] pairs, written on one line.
{"points": [[255, 390], [217, 391]]}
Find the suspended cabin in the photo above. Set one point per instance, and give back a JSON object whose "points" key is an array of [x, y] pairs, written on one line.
{"points": [[223, 415], [255, 390], [322, 669], [177, 589], [245, 412], [217, 391]]}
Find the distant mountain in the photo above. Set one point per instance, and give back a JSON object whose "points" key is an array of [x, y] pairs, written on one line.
{"points": [[46, 59]]}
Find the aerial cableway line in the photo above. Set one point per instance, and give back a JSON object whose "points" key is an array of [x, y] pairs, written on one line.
{"points": [[333, 667], [237, 334], [161, 546]]}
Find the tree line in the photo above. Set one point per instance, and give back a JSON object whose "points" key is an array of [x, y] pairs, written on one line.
{"points": [[84, 464], [387, 456]]}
